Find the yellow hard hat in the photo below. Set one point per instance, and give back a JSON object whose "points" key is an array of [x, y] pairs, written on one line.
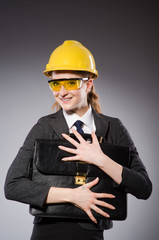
{"points": [[71, 55]]}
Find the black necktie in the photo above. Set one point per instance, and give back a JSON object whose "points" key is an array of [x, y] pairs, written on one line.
{"points": [[78, 125]]}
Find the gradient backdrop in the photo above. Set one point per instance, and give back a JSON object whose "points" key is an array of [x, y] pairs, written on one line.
{"points": [[123, 37]]}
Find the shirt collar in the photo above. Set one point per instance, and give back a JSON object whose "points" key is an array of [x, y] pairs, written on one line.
{"points": [[87, 118]]}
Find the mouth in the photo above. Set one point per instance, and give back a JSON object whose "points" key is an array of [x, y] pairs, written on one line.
{"points": [[65, 99]]}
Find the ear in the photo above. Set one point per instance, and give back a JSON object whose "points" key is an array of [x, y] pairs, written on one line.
{"points": [[89, 85]]}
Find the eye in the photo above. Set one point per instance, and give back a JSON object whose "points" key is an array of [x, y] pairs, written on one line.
{"points": [[72, 83], [55, 83]]}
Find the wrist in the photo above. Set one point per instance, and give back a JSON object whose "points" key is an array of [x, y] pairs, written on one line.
{"points": [[59, 195], [102, 160], [67, 195], [111, 168]]}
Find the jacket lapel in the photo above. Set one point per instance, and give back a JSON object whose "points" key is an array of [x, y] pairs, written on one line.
{"points": [[101, 123], [59, 124]]}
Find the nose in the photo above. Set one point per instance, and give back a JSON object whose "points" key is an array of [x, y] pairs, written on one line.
{"points": [[63, 91]]}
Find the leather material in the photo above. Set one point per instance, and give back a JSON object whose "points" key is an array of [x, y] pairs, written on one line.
{"points": [[50, 170]]}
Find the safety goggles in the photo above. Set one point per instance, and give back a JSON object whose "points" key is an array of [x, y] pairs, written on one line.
{"points": [[69, 84]]}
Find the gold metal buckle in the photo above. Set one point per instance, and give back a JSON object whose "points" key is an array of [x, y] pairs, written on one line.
{"points": [[80, 180]]}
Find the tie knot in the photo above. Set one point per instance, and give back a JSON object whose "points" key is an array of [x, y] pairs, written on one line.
{"points": [[78, 125]]}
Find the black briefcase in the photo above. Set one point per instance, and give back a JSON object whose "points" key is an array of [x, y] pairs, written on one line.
{"points": [[47, 168]]}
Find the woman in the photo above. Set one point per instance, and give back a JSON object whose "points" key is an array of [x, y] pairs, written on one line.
{"points": [[72, 71]]}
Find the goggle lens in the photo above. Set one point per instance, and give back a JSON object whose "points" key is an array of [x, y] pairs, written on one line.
{"points": [[69, 84]]}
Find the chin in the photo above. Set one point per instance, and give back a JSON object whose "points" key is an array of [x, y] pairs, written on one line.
{"points": [[69, 108], [66, 108]]}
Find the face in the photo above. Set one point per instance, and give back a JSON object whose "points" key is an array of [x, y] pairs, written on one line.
{"points": [[75, 100]]}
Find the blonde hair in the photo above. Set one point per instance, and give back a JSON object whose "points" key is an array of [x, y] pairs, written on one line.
{"points": [[93, 100], [92, 96]]}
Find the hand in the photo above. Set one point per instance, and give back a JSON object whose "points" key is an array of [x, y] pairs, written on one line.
{"points": [[87, 152], [85, 199]]}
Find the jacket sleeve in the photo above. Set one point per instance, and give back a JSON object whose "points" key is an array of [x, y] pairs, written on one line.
{"points": [[135, 179], [18, 185]]}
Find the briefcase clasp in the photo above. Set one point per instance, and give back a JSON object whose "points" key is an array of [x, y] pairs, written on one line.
{"points": [[80, 180]]}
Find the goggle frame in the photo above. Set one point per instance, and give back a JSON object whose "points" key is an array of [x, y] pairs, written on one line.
{"points": [[77, 86]]}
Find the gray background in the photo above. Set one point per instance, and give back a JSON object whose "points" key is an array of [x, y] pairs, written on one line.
{"points": [[123, 37]]}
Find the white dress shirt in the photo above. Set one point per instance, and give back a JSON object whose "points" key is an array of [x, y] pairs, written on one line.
{"points": [[87, 119]]}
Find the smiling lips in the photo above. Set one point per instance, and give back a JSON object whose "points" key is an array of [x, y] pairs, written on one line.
{"points": [[65, 99]]}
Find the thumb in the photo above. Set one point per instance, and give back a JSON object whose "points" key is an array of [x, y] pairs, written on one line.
{"points": [[92, 183]]}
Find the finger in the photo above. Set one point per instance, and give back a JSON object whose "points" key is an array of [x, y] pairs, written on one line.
{"points": [[73, 158], [104, 195], [90, 215], [94, 138], [78, 136], [71, 140], [104, 204], [101, 212], [66, 149], [92, 183]]}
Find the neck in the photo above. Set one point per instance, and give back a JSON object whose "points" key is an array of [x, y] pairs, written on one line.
{"points": [[80, 112]]}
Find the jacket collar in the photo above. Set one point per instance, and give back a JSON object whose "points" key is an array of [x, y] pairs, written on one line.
{"points": [[60, 126], [101, 123]]}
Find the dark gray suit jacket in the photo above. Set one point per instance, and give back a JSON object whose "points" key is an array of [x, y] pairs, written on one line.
{"points": [[20, 188]]}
